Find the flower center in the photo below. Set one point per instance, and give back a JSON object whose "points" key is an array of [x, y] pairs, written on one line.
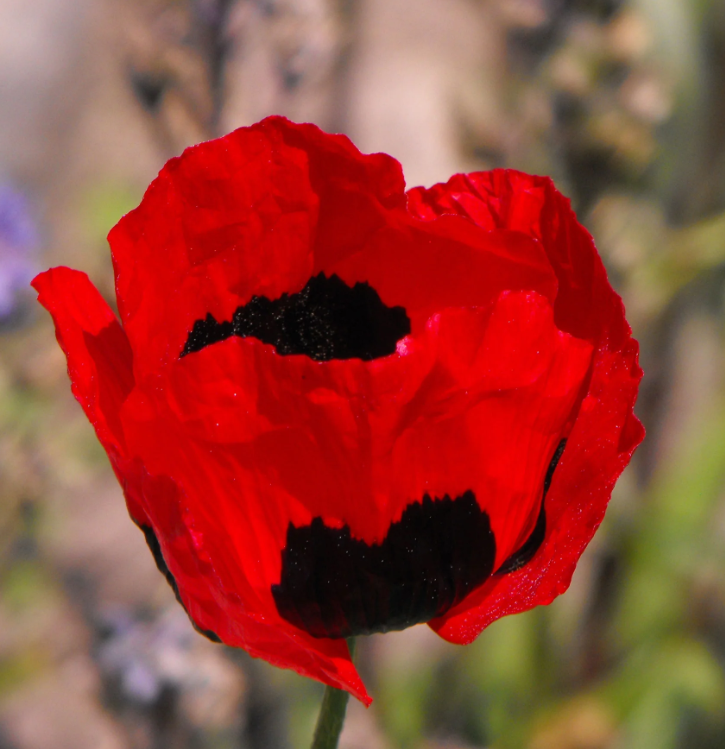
{"points": [[326, 320]]}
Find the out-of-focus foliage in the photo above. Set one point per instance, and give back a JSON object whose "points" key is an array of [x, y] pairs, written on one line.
{"points": [[623, 103]]}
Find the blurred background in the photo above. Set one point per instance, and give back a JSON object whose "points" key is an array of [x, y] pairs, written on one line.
{"points": [[623, 103]]}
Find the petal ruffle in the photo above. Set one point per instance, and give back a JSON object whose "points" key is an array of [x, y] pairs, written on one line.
{"points": [[586, 305]]}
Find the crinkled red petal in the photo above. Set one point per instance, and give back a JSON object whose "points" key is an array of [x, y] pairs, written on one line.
{"points": [[605, 431], [201, 554], [99, 358], [261, 210]]}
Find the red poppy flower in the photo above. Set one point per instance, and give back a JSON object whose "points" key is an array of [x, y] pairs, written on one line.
{"points": [[338, 408]]}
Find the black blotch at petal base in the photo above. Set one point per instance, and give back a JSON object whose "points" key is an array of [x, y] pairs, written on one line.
{"points": [[326, 320], [333, 585], [155, 546]]}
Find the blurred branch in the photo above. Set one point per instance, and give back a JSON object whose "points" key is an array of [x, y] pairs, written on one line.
{"points": [[211, 29], [348, 12]]}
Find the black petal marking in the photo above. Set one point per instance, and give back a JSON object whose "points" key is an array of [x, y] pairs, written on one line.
{"points": [[326, 320], [333, 585], [526, 553], [155, 546]]}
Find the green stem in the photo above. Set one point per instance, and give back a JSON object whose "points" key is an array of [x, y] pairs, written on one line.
{"points": [[332, 714]]}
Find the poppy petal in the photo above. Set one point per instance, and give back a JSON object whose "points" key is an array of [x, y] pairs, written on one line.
{"points": [[253, 213], [605, 435], [216, 596], [605, 431], [100, 361], [99, 357], [505, 199]]}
